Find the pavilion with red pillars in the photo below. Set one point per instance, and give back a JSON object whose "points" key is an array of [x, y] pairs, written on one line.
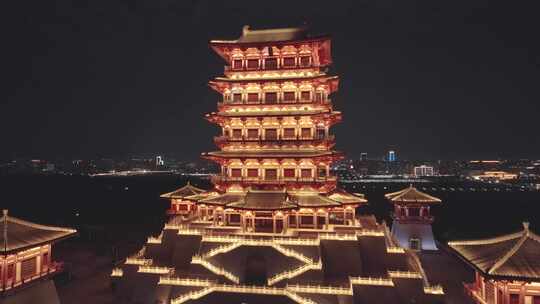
{"points": [[507, 267], [275, 227], [412, 218], [26, 256]]}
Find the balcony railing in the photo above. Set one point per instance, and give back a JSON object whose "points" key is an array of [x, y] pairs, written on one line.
{"points": [[279, 101], [275, 140], [245, 68], [279, 180], [413, 218]]}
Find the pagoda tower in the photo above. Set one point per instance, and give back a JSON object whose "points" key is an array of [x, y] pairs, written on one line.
{"points": [[412, 218], [275, 114], [275, 227]]}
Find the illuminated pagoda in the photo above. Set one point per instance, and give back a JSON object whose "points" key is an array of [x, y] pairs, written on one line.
{"points": [[275, 228], [412, 218], [507, 267], [26, 258]]}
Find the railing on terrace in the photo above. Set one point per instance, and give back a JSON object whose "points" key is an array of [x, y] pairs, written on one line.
{"points": [[186, 282], [155, 269], [436, 289], [278, 180], [138, 261], [117, 272], [294, 273], [262, 241], [320, 289], [371, 281], [405, 274], [260, 102], [220, 249], [216, 270], [279, 140]]}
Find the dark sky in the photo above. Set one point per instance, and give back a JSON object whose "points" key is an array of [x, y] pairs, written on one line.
{"points": [[432, 79]]}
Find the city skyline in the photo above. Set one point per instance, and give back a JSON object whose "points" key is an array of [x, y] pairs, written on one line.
{"points": [[450, 82]]}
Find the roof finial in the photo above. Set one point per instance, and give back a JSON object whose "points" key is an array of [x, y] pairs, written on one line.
{"points": [[245, 30]]}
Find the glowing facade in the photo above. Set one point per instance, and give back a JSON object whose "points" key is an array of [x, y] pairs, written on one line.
{"points": [[26, 253], [507, 268], [275, 228]]}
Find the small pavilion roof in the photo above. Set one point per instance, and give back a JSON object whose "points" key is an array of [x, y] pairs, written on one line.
{"points": [[17, 234], [345, 198], [512, 256], [183, 192], [201, 196], [411, 195]]}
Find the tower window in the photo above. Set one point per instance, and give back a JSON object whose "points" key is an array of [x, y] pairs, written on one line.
{"points": [[305, 96], [270, 174], [253, 172], [288, 96], [236, 172], [288, 173], [306, 173], [270, 97], [253, 97], [415, 244], [237, 133], [288, 133], [237, 97], [288, 62], [253, 133], [253, 63], [271, 134], [319, 96], [270, 64], [304, 61], [306, 132], [237, 64]]}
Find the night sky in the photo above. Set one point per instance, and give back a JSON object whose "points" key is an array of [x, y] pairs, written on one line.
{"points": [[431, 79]]}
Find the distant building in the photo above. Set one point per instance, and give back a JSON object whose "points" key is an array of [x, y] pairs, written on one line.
{"points": [[392, 156], [507, 267], [363, 156], [494, 176], [423, 170], [412, 218]]}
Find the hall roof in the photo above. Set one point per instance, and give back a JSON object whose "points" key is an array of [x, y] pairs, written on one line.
{"points": [[512, 256], [17, 234]]}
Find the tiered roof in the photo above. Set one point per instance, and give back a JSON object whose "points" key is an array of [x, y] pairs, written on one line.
{"points": [[281, 199], [411, 195], [512, 256], [17, 234]]}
